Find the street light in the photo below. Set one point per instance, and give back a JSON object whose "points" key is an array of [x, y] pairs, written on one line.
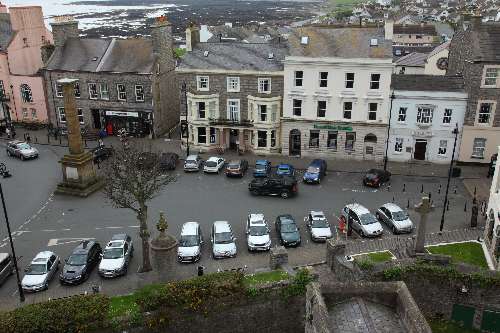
{"points": [[184, 92], [14, 258], [392, 97], [455, 131]]}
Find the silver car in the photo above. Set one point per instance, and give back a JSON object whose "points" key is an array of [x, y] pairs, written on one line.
{"points": [[192, 163], [116, 256], [361, 220], [395, 218], [21, 150], [41, 270]]}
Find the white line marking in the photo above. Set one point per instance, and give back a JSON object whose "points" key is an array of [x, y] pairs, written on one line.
{"points": [[114, 227], [62, 241]]}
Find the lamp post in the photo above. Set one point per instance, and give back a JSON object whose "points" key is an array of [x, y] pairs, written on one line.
{"points": [[455, 131], [392, 97], [184, 92], [14, 258]]}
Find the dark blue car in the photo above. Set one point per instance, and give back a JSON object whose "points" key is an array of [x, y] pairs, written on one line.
{"points": [[315, 171], [262, 168], [285, 170]]}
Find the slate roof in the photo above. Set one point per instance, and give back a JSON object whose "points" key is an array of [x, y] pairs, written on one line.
{"points": [[417, 82], [487, 40], [235, 56], [340, 42], [426, 29], [439, 48], [103, 55], [413, 59], [6, 33]]}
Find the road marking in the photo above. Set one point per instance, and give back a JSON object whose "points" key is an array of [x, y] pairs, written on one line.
{"points": [[114, 227], [62, 241], [3, 244]]}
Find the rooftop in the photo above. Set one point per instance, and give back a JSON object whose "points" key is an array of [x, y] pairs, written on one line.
{"points": [[420, 29], [486, 40], [6, 33], [413, 59], [410, 82]]}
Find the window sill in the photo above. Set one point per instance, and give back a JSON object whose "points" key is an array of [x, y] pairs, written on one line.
{"points": [[200, 89], [140, 101], [122, 100], [94, 99], [442, 156], [477, 157], [398, 152], [331, 149], [230, 91], [483, 124]]}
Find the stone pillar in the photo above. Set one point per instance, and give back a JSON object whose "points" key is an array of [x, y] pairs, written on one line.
{"points": [[423, 209], [79, 176], [278, 257], [163, 250]]}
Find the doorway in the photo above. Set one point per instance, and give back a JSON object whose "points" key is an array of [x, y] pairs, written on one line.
{"points": [[96, 117], [294, 145], [233, 139], [420, 149], [370, 142]]}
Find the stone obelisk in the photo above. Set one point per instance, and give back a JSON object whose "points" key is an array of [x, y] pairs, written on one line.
{"points": [[424, 208], [79, 176]]}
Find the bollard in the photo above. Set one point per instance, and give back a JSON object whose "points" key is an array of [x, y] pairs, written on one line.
{"points": [[48, 139], [36, 139], [60, 141], [475, 191], [393, 199], [404, 187], [455, 190], [430, 195], [439, 189], [388, 187], [465, 207], [85, 143], [408, 204], [200, 270], [422, 189], [448, 205]]}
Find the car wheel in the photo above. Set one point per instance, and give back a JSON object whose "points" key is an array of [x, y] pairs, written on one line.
{"points": [[46, 286], [377, 215], [254, 192], [22, 157], [394, 230], [319, 180], [285, 195], [362, 233]]}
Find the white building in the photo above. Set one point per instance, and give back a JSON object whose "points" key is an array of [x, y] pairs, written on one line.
{"points": [[336, 93], [492, 229], [425, 110]]}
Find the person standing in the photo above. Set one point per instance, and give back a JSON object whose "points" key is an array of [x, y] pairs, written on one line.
{"points": [[7, 131], [28, 138]]}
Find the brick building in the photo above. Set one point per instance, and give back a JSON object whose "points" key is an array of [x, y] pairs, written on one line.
{"points": [[234, 93], [123, 83], [475, 54]]}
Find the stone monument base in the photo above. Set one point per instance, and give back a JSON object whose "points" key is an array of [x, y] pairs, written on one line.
{"points": [[164, 255], [79, 177]]}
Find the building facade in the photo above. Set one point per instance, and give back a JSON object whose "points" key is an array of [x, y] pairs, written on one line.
{"points": [[127, 84], [336, 100], [474, 54], [233, 94], [22, 35], [411, 34], [492, 228], [425, 111]]}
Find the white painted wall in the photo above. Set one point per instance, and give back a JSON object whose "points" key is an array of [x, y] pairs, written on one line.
{"points": [[431, 63]]}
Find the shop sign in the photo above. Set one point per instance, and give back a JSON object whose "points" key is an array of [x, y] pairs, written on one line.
{"points": [[122, 114], [333, 127], [422, 133]]}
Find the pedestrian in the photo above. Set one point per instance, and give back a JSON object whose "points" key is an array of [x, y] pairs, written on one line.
{"points": [[13, 131], [7, 131], [101, 143], [28, 138]]}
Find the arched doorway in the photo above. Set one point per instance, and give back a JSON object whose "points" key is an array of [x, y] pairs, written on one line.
{"points": [[294, 145], [370, 143]]}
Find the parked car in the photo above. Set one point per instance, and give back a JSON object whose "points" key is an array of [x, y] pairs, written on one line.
{"points": [[315, 171], [285, 170], [223, 240], [287, 230], [6, 267], [81, 262], [236, 168], [376, 177], [192, 163], [361, 220], [116, 256], [258, 237], [395, 218], [318, 226], [493, 163], [22, 150], [214, 164], [101, 153], [282, 186], [190, 243], [41, 270], [262, 168], [168, 161]]}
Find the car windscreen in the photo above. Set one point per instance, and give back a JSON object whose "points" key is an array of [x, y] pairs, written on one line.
{"points": [[210, 164], [223, 238], [113, 253], [322, 223], [289, 227], [399, 215], [260, 166], [367, 219], [233, 166], [37, 269], [258, 230], [188, 240], [312, 169], [284, 169], [371, 175], [77, 260], [190, 161], [23, 146]]}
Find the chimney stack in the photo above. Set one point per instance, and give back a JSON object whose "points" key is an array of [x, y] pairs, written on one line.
{"points": [[389, 29], [63, 28], [476, 21], [192, 37], [163, 43]]}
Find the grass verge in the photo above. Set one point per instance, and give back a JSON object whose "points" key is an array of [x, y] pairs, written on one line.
{"points": [[470, 253], [264, 277], [444, 326]]}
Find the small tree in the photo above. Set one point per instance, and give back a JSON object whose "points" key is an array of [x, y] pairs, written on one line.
{"points": [[132, 178]]}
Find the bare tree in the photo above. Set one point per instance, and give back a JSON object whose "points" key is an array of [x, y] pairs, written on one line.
{"points": [[132, 178]]}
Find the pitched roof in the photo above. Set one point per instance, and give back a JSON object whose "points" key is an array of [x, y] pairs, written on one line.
{"points": [[487, 37], [417, 82], [413, 59], [78, 54], [425, 29], [235, 56], [340, 42], [129, 56], [6, 33], [439, 48]]}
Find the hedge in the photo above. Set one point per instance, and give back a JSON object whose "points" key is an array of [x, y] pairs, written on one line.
{"points": [[76, 314]]}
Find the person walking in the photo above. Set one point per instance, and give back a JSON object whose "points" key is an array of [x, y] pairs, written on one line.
{"points": [[7, 131], [28, 138], [101, 143]]}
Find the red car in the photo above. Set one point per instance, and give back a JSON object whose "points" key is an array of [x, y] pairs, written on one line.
{"points": [[376, 177]]}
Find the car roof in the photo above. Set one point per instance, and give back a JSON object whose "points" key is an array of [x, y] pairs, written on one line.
{"points": [[286, 217], [190, 228], [256, 218], [375, 171], [222, 226], [214, 158], [358, 209], [84, 246], [192, 157], [315, 213], [43, 256], [392, 207], [284, 165], [261, 161], [235, 162]]}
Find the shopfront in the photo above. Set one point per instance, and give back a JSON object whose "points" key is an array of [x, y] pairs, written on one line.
{"points": [[135, 123]]}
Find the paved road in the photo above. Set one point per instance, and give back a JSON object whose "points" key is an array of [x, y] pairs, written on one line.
{"points": [[62, 222]]}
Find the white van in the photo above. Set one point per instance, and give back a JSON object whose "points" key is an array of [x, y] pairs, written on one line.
{"points": [[190, 242], [223, 240]]}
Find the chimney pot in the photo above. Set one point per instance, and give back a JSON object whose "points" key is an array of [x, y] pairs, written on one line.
{"points": [[192, 37]]}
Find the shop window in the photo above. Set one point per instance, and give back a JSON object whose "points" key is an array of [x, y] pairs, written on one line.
{"points": [[298, 78], [25, 113], [372, 111], [103, 88], [59, 90], [321, 109], [478, 148], [264, 86], [447, 116], [139, 93], [297, 107], [202, 83], [92, 90], [201, 110], [202, 135], [484, 115], [398, 146], [261, 139], [314, 139], [375, 81], [233, 84], [349, 80], [77, 90], [424, 115], [263, 112], [26, 95], [34, 115], [347, 110], [331, 142], [273, 138], [443, 144], [323, 79], [122, 92], [402, 115], [350, 139]]}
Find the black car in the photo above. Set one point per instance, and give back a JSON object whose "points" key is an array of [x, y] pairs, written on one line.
{"points": [[101, 153], [376, 177], [168, 161], [493, 163], [236, 168], [81, 262], [283, 186], [287, 230]]}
